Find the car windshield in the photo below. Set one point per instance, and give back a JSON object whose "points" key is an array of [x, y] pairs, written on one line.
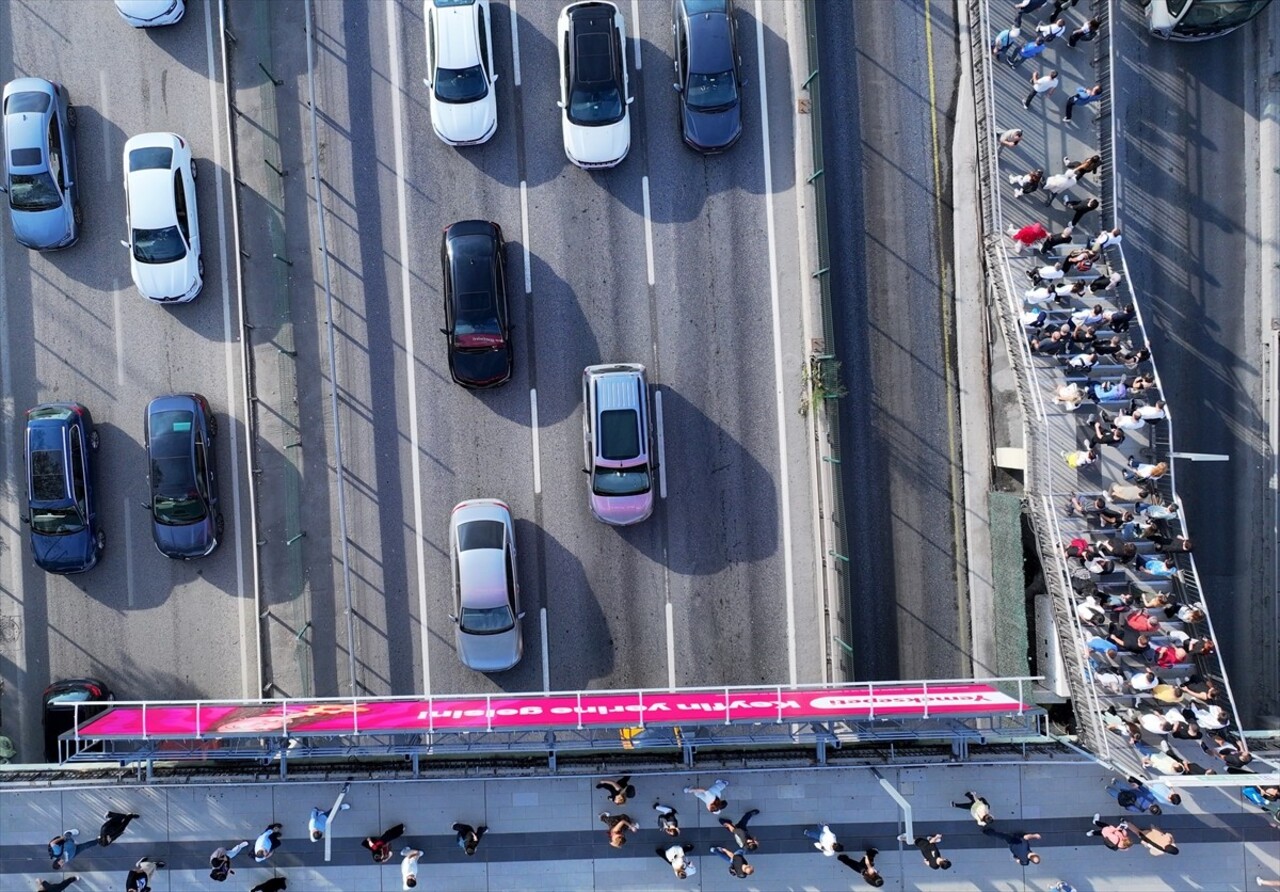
{"points": [[461, 84], [174, 496], [33, 192], [56, 521], [711, 91], [621, 481], [158, 245], [595, 104], [476, 315], [486, 620], [151, 158], [27, 102]]}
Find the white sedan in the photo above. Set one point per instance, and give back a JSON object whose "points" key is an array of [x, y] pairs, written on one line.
{"points": [[160, 212], [594, 84], [464, 106]]}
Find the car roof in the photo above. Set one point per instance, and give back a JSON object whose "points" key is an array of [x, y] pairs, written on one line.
{"points": [[482, 577], [151, 202], [592, 32], [457, 42], [26, 130], [710, 49]]}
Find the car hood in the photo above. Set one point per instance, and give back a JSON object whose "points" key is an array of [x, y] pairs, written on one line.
{"points": [[190, 540], [622, 510], [490, 653], [44, 229], [597, 146], [69, 553], [481, 369], [712, 131], [177, 281], [465, 123]]}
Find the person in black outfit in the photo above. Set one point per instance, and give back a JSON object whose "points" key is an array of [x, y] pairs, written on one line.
{"points": [[738, 866], [865, 866], [380, 846], [275, 884], [113, 827], [618, 791], [739, 830], [468, 837], [928, 846]]}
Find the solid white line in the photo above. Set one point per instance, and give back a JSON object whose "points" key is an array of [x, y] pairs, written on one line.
{"points": [[229, 339], [671, 646], [779, 378], [129, 507], [515, 44], [662, 446], [533, 431], [635, 21], [524, 236], [104, 109], [406, 299], [648, 228], [115, 305], [546, 655]]}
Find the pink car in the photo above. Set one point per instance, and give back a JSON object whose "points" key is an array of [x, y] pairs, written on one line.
{"points": [[617, 442]]}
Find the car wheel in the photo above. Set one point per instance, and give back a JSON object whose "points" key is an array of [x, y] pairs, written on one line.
{"points": [[71, 115], [94, 439], [100, 540], [78, 214], [213, 425], [219, 525], [195, 175]]}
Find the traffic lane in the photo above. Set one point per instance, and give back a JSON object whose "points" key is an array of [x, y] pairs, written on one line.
{"points": [[1187, 228], [897, 453]]}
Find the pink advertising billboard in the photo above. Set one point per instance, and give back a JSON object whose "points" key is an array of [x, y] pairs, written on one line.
{"points": [[563, 711]]}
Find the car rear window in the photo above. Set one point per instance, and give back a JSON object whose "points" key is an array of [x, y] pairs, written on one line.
{"points": [[25, 158], [48, 483], [151, 158], [20, 103], [619, 434], [480, 534], [699, 7]]}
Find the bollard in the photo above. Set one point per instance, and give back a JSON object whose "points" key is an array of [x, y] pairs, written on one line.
{"points": [[283, 260], [271, 77], [279, 172], [293, 539]]}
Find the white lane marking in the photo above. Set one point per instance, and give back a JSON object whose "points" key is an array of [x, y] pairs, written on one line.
{"points": [[648, 228], [533, 431], [662, 446], [229, 354], [129, 508], [779, 378], [515, 44], [13, 597], [635, 22], [105, 112], [671, 646], [524, 235], [115, 302], [546, 656], [402, 213]]}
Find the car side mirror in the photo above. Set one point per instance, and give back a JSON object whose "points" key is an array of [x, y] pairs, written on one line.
{"points": [[444, 331], [4, 189], [144, 506], [630, 99], [123, 243], [453, 617], [26, 519], [520, 615], [494, 79], [676, 87], [559, 103], [426, 81], [586, 471]]}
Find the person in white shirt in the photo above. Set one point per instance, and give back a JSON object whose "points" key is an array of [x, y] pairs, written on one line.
{"points": [[318, 824], [1154, 412], [1131, 422], [1107, 239], [1143, 681], [409, 866], [824, 841], [1041, 85], [675, 855], [1051, 31]]}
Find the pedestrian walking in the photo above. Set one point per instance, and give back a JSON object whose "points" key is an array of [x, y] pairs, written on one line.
{"points": [[1005, 40], [677, 856], [1043, 275], [1081, 206], [1088, 31], [115, 824], [1026, 183], [710, 796], [1157, 842], [409, 866], [1058, 185], [1108, 238], [618, 826], [1019, 845], [380, 846], [738, 866], [668, 819], [468, 837], [59, 886], [1028, 236], [1059, 6], [824, 840], [1116, 837], [1081, 97], [1057, 238], [618, 791], [1022, 7], [139, 879], [267, 842], [220, 861], [65, 846], [978, 808], [1028, 50], [865, 866], [1009, 139], [1052, 29], [318, 823], [1041, 85], [1062, 886], [275, 884], [928, 846], [741, 835]]}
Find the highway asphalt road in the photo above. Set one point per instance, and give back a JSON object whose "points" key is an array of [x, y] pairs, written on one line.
{"points": [[1186, 148], [72, 326]]}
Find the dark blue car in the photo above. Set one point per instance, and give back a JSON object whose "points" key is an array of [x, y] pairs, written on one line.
{"points": [[708, 73], [186, 518], [40, 164], [61, 509]]}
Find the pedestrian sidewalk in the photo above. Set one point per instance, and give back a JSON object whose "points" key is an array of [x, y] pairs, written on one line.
{"points": [[544, 833]]}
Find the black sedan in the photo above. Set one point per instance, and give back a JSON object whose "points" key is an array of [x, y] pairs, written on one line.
{"points": [[708, 73], [60, 708], [476, 316], [179, 431]]}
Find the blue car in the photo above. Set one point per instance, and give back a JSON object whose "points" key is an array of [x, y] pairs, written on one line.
{"points": [[61, 509], [40, 164], [186, 516]]}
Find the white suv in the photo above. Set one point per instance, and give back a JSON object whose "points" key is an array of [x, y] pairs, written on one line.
{"points": [[160, 212], [594, 84], [464, 106]]}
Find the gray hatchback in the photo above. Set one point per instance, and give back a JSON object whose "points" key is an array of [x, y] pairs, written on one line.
{"points": [[40, 164]]}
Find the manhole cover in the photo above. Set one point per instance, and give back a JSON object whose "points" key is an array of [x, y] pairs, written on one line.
{"points": [[8, 628]]}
